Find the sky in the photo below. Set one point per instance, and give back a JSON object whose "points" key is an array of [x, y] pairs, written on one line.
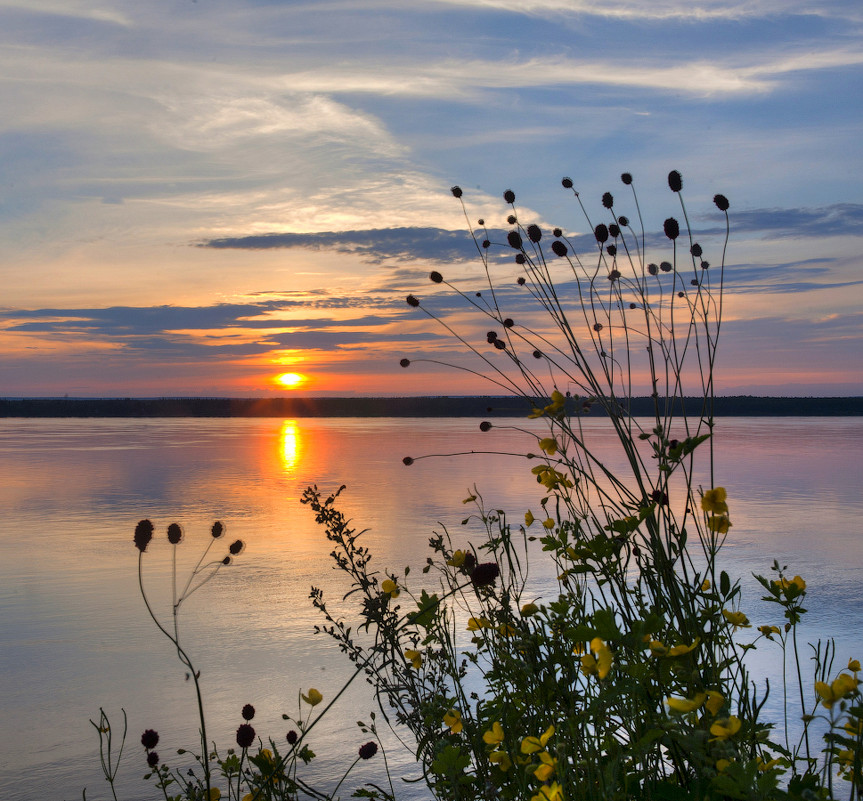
{"points": [[197, 196]]}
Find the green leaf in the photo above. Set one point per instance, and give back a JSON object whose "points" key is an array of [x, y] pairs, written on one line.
{"points": [[428, 607]]}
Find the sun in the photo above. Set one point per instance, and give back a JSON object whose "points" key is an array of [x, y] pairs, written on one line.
{"points": [[291, 380]]}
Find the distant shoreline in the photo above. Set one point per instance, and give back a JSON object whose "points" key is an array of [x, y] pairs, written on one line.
{"points": [[438, 406]]}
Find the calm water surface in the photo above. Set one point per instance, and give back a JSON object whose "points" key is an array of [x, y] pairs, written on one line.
{"points": [[74, 634]]}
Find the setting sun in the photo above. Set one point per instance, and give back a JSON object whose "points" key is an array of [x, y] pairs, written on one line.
{"points": [[291, 380]]}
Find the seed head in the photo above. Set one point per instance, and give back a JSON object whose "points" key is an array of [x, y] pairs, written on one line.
{"points": [[484, 574], [514, 239], [675, 181], [520, 258], [611, 250], [558, 248], [236, 547], [508, 322], [143, 535], [509, 196], [218, 529], [175, 534], [608, 200], [248, 712], [520, 280], [671, 228], [614, 230], [512, 219], [405, 362], [435, 277], [537, 354], [500, 344], [566, 183], [597, 327], [150, 739], [623, 220], [407, 461], [292, 737], [721, 202], [368, 750], [601, 233], [695, 250], [486, 243], [485, 426], [152, 759], [245, 735], [557, 232], [456, 191], [226, 560], [652, 269], [412, 301], [665, 266], [534, 234]]}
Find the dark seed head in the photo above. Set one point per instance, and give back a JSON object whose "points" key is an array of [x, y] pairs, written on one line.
{"points": [[675, 181], [514, 239], [614, 275], [537, 354], [704, 264], [623, 220], [248, 712], [520, 258], [218, 529], [175, 534], [226, 560], [558, 248], [152, 759], [626, 178], [665, 266], [456, 191], [509, 196], [608, 200], [491, 336], [601, 233], [614, 230], [435, 277], [671, 228], [485, 426], [236, 547], [694, 282], [721, 202], [150, 739], [557, 232], [486, 243], [407, 461], [292, 737], [681, 295], [245, 735], [143, 535], [611, 250], [480, 222], [520, 280], [597, 327], [500, 344], [508, 322], [652, 269], [405, 362], [566, 183], [695, 250], [412, 301], [512, 219], [368, 750], [484, 574], [534, 234]]}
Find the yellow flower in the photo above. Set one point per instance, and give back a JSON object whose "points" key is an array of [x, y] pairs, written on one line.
{"points": [[501, 759], [546, 769], [530, 745], [736, 619], [719, 524], [477, 623], [457, 559], [215, 794], [506, 629], [529, 609], [548, 523], [469, 499], [603, 657], [725, 727], [785, 583], [769, 631], [714, 501], [414, 657], [494, 736], [657, 648], [705, 585], [684, 705], [390, 588], [549, 792], [765, 766], [841, 686], [313, 698], [452, 719], [679, 650], [528, 518], [722, 764], [714, 702], [854, 665], [548, 445]]}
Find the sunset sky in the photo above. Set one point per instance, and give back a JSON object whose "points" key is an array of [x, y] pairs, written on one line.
{"points": [[197, 196]]}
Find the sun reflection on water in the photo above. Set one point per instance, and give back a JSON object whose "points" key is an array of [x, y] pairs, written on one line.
{"points": [[290, 445]]}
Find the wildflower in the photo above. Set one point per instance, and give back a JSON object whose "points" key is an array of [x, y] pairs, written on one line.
{"points": [[529, 609], [368, 750], [313, 698], [469, 499], [685, 705], [854, 665], [736, 619], [549, 445], [680, 650], [528, 518], [457, 559], [484, 574], [217, 529], [765, 766], [722, 765], [714, 702], [623, 220], [545, 770], [389, 587], [506, 629], [477, 623], [714, 501], [245, 735], [248, 712], [719, 524], [724, 728], [452, 719], [841, 686], [549, 792], [215, 794], [501, 759], [797, 583], [705, 585], [530, 745], [494, 736], [548, 523], [769, 631], [175, 534], [414, 657], [143, 535], [150, 739], [657, 648]]}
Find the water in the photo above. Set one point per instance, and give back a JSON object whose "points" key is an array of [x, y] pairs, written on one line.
{"points": [[75, 636]]}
